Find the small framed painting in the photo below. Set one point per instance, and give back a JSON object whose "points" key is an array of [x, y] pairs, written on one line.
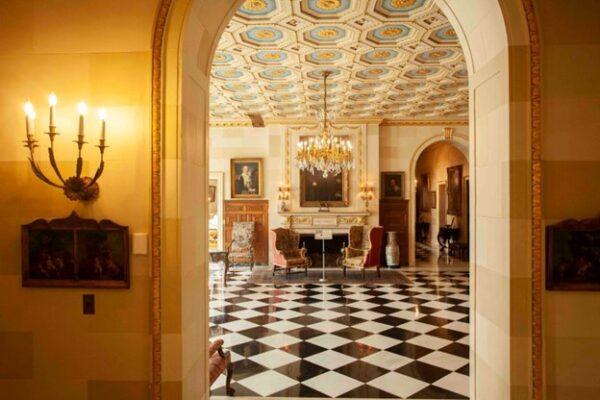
{"points": [[246, 178], [392, 185], [573, 255]]}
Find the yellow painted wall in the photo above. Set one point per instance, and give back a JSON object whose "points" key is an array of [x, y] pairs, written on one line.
{"points": [[571, 167], [98, 51]]}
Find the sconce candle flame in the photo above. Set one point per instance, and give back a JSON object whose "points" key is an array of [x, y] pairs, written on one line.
{"points": [[76, 187]]}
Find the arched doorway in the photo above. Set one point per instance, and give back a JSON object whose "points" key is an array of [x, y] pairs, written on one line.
{"points": [[185, 38], [440, 206]]}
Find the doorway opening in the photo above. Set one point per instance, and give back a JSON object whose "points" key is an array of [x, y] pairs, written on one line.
{"points": [[442, 206], [186, 51]]}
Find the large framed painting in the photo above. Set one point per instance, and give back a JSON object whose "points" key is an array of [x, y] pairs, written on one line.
{"points": [[423, 196], [75, 252], [392, 185], [246, 178], [317, 191], [454, 190], [573, 255]]}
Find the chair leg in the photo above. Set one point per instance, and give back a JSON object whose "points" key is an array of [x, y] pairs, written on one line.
{"points": [[228, 389], [378, 272]]}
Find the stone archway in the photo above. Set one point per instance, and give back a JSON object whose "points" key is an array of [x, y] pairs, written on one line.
{"points": [[500, 41], [462, 144]]}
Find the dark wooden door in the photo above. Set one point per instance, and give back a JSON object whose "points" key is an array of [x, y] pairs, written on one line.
{"points": [[249, 210], [393, 216]]}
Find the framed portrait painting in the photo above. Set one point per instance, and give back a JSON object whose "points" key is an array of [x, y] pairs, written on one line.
{"points": [[316, 191], [246, 178], [392, 185]]}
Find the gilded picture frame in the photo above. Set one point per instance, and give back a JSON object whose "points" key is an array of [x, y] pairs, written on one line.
{"points": [[246, 176], [316, 191]]}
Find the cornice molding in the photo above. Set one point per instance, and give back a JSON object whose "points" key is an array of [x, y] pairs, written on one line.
{"points": [[342, 121]]}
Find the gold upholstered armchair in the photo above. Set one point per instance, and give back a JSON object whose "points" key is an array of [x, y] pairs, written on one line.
{"points": [[364, 248], [240, 250]]}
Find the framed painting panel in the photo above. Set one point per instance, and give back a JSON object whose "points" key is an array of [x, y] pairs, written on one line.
{"points": [[573, 255], [392, 185], [317, 191], [246, 178], [75, 252], [454, 190]]}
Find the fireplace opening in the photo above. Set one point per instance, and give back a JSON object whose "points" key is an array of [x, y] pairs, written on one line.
{"points": [[333, 248]]}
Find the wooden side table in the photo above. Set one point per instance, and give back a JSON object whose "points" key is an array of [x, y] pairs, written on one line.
{"points": [[221, 256]]}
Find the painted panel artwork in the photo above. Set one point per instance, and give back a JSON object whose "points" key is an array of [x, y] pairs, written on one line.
{"points": [[75, 252], [454, 190], [392, 185], [573, 255], [246, 177], [316, 191]]}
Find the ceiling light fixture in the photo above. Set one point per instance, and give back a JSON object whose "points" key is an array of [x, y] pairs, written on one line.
{"points": [[326, 153]]}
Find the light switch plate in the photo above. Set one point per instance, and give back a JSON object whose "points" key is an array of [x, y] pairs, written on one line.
{"points": [[139, 243]]}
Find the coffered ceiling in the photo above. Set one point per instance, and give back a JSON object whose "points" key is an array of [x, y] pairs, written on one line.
{"points": [[394, 59]]}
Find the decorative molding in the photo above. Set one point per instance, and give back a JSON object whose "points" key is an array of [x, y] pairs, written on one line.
{"points": [[424, 122], [215, 123], [537, 287], [157, 94]]}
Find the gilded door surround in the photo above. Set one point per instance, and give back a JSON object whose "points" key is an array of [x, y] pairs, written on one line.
{"points": [[158, 104]]}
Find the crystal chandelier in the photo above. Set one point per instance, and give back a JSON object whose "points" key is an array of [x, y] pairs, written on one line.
{"points": [[326, 153]]}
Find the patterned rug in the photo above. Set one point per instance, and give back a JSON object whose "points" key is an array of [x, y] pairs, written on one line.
{"points": [[264, 275], [361, 340]]}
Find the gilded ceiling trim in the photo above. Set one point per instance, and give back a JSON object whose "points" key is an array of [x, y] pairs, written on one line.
{"points": [[360, 121]]}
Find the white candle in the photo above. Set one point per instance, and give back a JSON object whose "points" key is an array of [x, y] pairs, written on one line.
{"points": [[29, 117], [82, 109], [52, 100], [102, 115]]}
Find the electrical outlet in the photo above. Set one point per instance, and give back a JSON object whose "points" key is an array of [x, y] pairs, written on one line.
{"points": [[89, 304]]}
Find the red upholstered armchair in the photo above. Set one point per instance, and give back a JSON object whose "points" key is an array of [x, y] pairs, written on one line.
{"points": [[364, 249], [287, 254]]}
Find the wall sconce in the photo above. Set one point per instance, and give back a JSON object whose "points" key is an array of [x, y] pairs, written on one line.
{"points": [[76, 187], [283, 194], [366, 194]]}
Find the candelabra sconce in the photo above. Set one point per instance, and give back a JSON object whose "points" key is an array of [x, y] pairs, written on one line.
{"points": [[366, 194], [77, 187], [283, 195]]}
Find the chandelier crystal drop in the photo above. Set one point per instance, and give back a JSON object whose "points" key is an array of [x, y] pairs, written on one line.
{"points": [[326, 153]]}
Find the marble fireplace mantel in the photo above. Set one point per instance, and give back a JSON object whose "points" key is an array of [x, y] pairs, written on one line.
{"points": [[337, 221]]}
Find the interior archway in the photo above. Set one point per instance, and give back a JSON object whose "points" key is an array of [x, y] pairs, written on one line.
{"points": [[502, 252]]}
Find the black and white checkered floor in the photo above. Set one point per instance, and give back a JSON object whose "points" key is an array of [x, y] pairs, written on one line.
{"points": [[346, 340]]}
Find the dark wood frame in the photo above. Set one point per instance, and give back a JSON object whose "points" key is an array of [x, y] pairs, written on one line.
{"points": [[74, 224], [383, 175], [232, 164], [345, 192], [454, 192], [571, 225]]}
